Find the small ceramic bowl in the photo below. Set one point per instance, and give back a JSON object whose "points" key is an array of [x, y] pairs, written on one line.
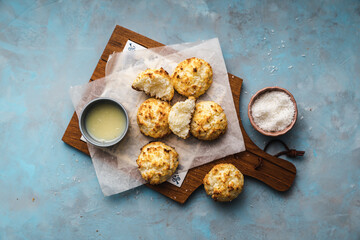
{"points": [[86, 134], [262, 91]]}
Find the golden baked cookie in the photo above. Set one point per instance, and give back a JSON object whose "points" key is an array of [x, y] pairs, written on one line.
{"points": [[157, 162], [192, 77], [156, 83], [180, 117], [224, 182], [152, 118], [209, 121]]}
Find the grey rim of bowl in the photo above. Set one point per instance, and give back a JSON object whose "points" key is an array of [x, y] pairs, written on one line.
{"points": [[257, 128], [83, 127]]}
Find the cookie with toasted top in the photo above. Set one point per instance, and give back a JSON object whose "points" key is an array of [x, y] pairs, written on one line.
{"points": [[209, 121], [157, 162], [192, 77], [152, 118], [224, 182]]}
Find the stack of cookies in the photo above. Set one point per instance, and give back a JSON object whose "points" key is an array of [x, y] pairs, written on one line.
{"points": [[156, 118]]}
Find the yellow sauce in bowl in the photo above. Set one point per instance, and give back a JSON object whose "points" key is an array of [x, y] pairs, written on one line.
{"points": [[105, 121]]}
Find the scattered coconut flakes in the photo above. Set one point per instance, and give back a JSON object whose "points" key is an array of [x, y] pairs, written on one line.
{"points": [[273, 69], [290, 67]]}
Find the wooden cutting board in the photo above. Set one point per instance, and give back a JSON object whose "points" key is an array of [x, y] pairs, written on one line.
{"points": [[254, 162]]}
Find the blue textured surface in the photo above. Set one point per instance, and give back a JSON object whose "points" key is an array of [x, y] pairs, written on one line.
{"points": [[49, 190]]}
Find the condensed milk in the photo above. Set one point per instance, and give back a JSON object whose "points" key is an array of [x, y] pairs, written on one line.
{"points": [[104, 122]]}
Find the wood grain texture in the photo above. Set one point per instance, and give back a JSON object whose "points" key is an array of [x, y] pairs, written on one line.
{"points": [[254, 162]]}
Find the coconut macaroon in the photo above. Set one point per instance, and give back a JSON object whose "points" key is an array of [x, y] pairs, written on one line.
{"points": [[156, 83], [209, 121], [180, 117], [157, 162], [192, 77], [224, 182], [152, 118]]}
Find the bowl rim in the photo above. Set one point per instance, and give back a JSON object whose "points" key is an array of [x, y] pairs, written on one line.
{"points": [[259, 93], [82, 126]]}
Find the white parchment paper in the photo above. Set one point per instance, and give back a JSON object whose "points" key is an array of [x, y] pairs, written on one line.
{"points": [[116, 166]]}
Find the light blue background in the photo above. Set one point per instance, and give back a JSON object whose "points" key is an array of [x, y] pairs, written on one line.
{"points": [[47, 46]]}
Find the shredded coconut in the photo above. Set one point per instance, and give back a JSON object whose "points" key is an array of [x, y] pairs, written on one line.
{"points": [[273, 111]]}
